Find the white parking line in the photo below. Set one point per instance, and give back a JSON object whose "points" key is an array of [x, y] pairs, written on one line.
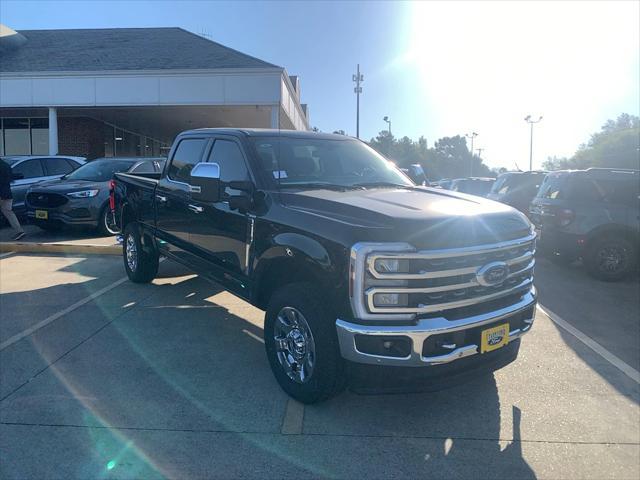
{"points": [[55, 316], [6, 254], [625, 368]]}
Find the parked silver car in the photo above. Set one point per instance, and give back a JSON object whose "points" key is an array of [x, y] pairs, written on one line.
{"points": [[28, 170]]}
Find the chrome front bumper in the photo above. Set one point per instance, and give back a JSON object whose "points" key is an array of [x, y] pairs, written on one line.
{"points": [[417, 334]]}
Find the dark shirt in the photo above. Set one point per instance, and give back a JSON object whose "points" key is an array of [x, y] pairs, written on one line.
{"points": [[5, 180]]}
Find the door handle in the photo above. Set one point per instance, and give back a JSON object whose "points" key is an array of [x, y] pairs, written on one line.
{"points": [[161, 198], [196, 208]]}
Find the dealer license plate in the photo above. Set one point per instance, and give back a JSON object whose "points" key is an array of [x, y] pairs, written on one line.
{"points": [[494, 338], [42, 214]]}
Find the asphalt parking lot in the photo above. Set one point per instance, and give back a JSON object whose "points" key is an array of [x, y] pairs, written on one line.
{"points": [[101, 378]]}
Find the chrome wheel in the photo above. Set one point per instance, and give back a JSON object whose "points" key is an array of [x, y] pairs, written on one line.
{"points": [[295, 347], [109, 225], [131, 249]]}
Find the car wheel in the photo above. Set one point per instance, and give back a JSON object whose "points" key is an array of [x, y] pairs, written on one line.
{"points": [[106, 225], [141, 265], [610, 258], [302, 345]]}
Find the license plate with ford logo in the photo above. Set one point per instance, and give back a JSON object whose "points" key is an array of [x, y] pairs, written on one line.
{"points": [[42, 214], [494, 338]]}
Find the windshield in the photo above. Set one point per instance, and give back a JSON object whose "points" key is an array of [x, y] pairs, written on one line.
{"points": [[553, 186], [509, 183], [99, 170], [314, 162]]}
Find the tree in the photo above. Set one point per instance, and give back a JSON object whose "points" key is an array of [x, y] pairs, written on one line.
{"points": [[449, 157], [616, 145]]}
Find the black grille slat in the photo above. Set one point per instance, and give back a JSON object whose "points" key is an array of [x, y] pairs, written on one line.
{"points": [[46, 200]]}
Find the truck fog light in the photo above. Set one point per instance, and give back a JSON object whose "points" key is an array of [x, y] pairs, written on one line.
{"points": [[390, 299], [391, 265]]}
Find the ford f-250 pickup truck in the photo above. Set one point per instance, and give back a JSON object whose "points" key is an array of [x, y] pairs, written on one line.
{"points": [[356, 267]]}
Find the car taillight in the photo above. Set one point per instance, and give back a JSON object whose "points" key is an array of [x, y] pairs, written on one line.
{"points": [[112, 195], [564, 216]]}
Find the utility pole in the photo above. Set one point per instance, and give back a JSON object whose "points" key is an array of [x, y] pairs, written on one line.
{"points": [[471, 136], [388, 120], [358, 78], [531, 122]]}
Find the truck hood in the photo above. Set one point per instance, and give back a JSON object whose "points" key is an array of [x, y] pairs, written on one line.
{"points": [[424, 217], [67, 186]]}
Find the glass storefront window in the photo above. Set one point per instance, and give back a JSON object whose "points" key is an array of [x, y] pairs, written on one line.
{"points": [[17, 140], [109, 134], [39, 136], [1, 138]]}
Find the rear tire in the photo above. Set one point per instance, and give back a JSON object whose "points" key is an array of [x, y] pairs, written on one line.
{"points": [[610, 258], [302, 345], [141, 265], [105, 224]]}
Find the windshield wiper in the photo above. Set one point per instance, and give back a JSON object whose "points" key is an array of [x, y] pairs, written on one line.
{"points": [[315, 185], [381, 184]]}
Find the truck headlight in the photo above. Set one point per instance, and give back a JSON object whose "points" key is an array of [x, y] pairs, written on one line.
{"points": [[83, 194], [390, 299], [391, 265]]}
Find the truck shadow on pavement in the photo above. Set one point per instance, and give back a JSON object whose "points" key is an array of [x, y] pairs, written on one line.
{"points": [[171, 380]]}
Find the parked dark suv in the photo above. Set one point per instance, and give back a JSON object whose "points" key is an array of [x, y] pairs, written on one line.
{"points": [[517, 189], [591, 214]]}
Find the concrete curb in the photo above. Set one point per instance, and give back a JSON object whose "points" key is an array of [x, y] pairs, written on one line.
{"points": [[66, 248]]}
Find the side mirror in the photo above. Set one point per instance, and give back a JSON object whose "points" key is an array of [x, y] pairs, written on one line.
{"points": [[205, 182]]}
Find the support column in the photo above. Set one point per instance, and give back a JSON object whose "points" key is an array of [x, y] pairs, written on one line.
{"points": [[53, 131], [275, 116]]}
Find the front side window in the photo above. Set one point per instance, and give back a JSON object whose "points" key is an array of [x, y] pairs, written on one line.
{"points": [[29, 169], [188, 153], [312, 162], [553, 186], [228, 156], [144, 167]]}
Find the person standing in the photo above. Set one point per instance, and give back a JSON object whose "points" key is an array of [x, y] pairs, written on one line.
{"points": [[6, 199]]}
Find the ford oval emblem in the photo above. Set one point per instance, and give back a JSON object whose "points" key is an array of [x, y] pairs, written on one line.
{"points": [[493, 273]]}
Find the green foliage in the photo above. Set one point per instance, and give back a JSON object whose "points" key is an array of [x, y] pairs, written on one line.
{"points": [[449, 157], [616, 145]]}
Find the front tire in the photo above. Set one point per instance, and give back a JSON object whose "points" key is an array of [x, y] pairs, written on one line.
{"points": [[302, 345], [105, 222], [141, 265], [610, 258]]}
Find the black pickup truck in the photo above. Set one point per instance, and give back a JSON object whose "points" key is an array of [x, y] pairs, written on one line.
{"points": [[356, 267]]}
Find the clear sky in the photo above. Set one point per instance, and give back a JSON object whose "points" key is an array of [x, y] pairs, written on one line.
{"points": [[436, 69]]}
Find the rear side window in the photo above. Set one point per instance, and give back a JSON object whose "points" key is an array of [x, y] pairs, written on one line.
{"points": [[609, 190], [57, 166], [29, 169], [188, 153], [144, 167]]}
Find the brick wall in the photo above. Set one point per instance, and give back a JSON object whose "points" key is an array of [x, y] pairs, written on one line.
{"points": [[80, 136]]}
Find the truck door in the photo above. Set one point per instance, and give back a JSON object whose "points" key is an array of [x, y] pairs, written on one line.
{"points": [[220, 235], [173, 197]]}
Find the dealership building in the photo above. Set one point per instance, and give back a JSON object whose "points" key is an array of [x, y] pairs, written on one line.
{"points": [[130, 91]]}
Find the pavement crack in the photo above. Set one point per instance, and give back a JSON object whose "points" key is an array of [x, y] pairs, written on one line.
{"points": [[313, 434]]}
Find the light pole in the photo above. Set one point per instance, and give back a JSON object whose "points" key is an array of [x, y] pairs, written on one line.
{"points": [[531, 122], [471, 136], [480, 150], [386, 119], [358, 77]]}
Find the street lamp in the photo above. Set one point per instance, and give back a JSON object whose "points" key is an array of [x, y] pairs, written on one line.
{"points": [[531, 122], [471, 136], [386, 119], [358, 78]]}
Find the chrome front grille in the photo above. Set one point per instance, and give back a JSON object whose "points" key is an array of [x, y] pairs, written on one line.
{"points": [[438, 280]]}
